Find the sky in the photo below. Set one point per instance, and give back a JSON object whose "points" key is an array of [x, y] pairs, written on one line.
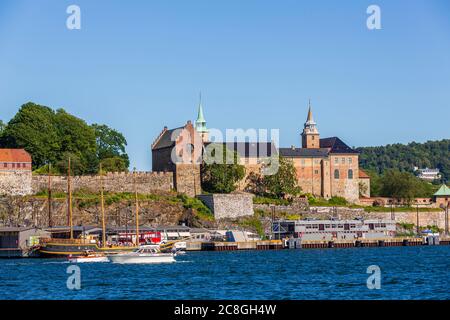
{"points": [[140, 65]]}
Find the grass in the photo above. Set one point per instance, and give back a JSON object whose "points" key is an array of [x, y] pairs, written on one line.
{"points": [[267, 200], [202, 211]]}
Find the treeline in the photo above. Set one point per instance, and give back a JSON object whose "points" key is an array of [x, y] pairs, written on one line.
{"points": [[431, 154], [52, 137], [399, 185]]}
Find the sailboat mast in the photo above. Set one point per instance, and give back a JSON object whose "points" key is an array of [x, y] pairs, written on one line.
{"points": [[103, 209], [69, 191], [137, 207], [49, 193]]}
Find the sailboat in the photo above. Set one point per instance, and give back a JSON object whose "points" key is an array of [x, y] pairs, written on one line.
{"points": [[72, 247]]}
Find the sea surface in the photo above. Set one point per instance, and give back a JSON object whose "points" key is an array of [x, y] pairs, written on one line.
{"points": [[406, 273]]}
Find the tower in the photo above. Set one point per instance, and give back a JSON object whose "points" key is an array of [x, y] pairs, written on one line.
{"points": [[200, 123], [310, 134]]}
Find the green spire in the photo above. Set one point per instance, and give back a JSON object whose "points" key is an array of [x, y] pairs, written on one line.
{"points": [[443, 191], [200, 123]]}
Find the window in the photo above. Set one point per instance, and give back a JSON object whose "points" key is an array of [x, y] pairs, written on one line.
{"points": [[316, 171], [350, 160], [13, 165], [336, 174], [303, 161], [350, 174], [343, 161], [312, 137], [5, 165], [24, 165], [336, 161]]}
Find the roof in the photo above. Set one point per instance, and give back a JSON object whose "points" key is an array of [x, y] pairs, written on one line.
{"points": [[363, 174], [303, 152], [251, 149], [336, 145], [15, 229], [443, 191], [14, 155], [166, 140]]}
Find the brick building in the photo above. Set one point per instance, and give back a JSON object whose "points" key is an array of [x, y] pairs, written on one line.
{"points": [[324, 167], [15, 172]]}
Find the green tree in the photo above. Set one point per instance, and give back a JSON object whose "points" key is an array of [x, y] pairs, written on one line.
{"points": [[2, 127], [76, 165], [400, 185], [284, 182], [78, 138], [33, 129], [221, 170], [114, 164], [110, 145]]}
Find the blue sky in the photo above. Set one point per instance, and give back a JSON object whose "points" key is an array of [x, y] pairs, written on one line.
{"points": [[139, 65]]}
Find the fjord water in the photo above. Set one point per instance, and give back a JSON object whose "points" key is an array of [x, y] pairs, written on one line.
{"points": [[406, 273]]}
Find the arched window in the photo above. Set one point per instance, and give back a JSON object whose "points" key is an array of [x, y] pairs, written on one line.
{"points": [[336, 174], [350, 173]]}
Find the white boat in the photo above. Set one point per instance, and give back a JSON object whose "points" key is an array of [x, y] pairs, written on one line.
{"points": [[89, 256], [144, 254]]}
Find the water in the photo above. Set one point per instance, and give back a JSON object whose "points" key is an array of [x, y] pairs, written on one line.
{"points": [[407, 273]]}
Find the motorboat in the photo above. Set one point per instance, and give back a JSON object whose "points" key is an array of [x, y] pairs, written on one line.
{"points": [[144, 254], [89, 256]]}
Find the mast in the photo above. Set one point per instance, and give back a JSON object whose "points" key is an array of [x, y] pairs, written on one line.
{"points": [[103, 209], [49, 193], [137, 206], [69, 191]]}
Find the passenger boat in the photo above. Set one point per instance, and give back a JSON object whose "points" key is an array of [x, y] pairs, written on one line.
{"points": [[89, 257], [144, 254]]}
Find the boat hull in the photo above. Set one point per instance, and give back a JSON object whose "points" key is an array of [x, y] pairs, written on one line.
{"points": [[127, 258], [61, 250], [88, 260]]}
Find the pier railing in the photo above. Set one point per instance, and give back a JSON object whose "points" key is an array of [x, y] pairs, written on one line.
{"points": [[66, 241]]}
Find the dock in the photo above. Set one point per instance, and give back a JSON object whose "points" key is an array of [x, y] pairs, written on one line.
{"points": [[306, 244]]}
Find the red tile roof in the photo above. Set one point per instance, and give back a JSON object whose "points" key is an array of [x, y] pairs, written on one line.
{"points": [[14, 155], [363, 174]]}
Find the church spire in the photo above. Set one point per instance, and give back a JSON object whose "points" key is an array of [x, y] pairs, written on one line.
{"points": [[310, 117], [200, 123], [310, 134]]}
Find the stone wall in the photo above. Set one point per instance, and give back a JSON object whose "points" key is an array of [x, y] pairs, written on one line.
{"points": [[15, 183], [187, 179], [146, 182], [298, 206], [229, 205]]}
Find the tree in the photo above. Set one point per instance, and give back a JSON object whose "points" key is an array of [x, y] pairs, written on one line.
{"points": [[114, 164], [76, 165], [403, 186], [284, 182], [2, 127], [51, 137], [110, 144], [431, 154], [76, 137], [33, 129], [221, 170]]}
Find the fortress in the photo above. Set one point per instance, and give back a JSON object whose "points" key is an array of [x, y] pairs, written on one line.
{"points": [[324, 167]]}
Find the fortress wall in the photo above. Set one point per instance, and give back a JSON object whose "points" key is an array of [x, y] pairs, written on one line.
{"points": [[146, 182]]}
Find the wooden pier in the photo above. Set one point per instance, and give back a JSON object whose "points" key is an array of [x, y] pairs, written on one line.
{"points": [[307, 244]]}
